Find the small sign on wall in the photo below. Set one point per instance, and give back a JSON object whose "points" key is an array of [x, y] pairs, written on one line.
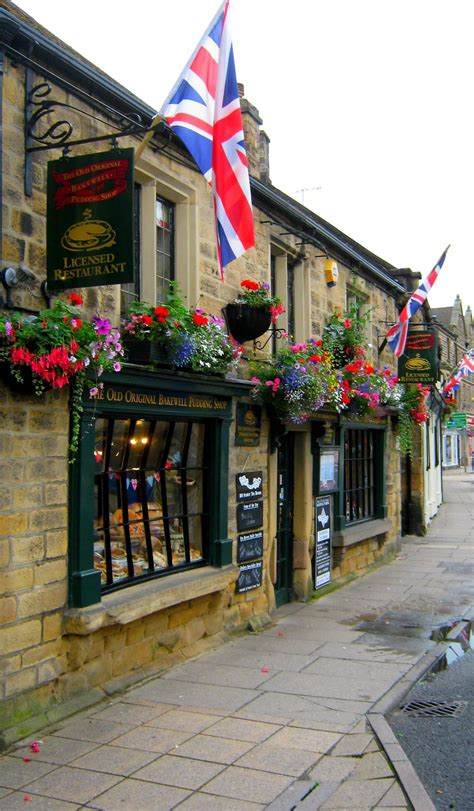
{"points": [[249, 485], [248, 420], [249, 546], [250, 577], [249, 515], [322, 552]]}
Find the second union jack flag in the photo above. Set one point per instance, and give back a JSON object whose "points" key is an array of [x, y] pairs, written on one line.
{"points": [[397, 335], [203, 109]]}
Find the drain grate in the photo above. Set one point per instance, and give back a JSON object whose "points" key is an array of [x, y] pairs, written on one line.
{"points": [[430, 709]]}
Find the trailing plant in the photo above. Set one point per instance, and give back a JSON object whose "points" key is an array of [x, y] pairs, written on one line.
{"points": [[366, 388], [413, 411], [344, 336], [297, 381], [57, 348]]}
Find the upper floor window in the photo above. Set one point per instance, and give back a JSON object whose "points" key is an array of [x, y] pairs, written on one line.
{"points": [[165, 236], [290, 300], [131, 292]]}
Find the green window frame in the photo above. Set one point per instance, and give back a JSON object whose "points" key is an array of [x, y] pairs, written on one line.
{"points": [[362, 496], [149, 397]]}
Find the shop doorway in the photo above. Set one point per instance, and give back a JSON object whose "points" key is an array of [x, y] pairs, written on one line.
{"points": [[284, 530]]}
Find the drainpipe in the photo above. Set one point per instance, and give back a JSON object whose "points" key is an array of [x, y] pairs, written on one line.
{"points": [[2, 62]]}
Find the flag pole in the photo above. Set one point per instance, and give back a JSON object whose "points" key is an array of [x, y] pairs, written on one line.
{"points": [[146, 140]]}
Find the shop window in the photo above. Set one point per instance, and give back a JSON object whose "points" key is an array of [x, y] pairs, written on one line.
{"points": [[361, 490], [151, 505], [164, 265], [131, 292]]}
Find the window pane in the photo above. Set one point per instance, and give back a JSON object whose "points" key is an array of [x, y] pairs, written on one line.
{"points": [[149, 502], [359, 478], [164, 270]]}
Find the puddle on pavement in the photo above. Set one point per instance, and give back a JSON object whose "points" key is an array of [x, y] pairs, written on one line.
{"points": [[459, 637]]}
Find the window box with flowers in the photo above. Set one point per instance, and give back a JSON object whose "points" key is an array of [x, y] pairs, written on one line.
{"points": [[57, 348], [251, 314], [173, 335]]}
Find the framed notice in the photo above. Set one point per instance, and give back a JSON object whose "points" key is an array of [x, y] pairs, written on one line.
{"points": [[249, 546], [89, 228], [248, 420], [249, 485], [322, 552], [249, 515], [328, 470], [250, 577]]}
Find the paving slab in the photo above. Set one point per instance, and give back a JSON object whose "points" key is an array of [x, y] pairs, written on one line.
{"points": [[269, 758], [184, 721], [114, 760], [248, 784], [307, 684], [93, 730], [152, 739], [71, 785], [363, 670], [271, 659], [14, 773], [139, 796], [16, 800], [363, 794], [188, 694], [56, 750], [242, 730], [216, 750], [209, 802], [224, 675], [179, 771]]}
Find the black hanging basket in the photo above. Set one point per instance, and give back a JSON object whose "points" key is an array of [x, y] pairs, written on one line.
{"points": [[246, 323], [145, 353]]}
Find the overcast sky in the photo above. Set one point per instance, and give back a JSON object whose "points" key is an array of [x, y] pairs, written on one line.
{"points": [[367, 103]]}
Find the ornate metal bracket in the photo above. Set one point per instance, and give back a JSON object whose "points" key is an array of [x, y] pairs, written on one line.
{"points": [[43, 133], [276, 333]]}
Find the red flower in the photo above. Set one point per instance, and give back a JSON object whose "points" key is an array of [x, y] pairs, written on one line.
{"points": [[200, 320], [369, 368], [75, 299], [249, 284], [161, 314], [319, 343], [347, 323], [146, 319], [316, 358]]}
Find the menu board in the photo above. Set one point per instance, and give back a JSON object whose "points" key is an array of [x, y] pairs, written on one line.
{"points": [[249, 515], [250, 577], [322, 552]]}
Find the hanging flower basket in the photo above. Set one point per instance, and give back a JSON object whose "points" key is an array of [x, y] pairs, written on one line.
{"points": [[246, 323], [145, 353]]}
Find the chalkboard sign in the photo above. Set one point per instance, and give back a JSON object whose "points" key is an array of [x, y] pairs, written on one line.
{"points": [[249, 485], [249, 515], [250, 546], [250, 577], [322, 554]]}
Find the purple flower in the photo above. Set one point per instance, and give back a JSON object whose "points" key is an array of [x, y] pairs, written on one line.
{"points": [[117, 367], [102, 325]]}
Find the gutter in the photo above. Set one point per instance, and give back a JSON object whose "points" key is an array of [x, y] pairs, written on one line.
{"points": [[276, 198]]}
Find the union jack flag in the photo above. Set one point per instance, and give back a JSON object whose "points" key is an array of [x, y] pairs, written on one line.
{"points": [[466, 367], [203, 109], [397, 335]]}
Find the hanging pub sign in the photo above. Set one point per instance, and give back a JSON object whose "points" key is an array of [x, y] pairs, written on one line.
{"points": [[248, 419], [419, 362], [322, 552], [90, 220]]}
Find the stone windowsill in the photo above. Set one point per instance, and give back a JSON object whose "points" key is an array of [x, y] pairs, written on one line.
{"points": [[141, 600], [361, 532]]}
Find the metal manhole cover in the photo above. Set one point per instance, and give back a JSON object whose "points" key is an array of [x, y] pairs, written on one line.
{"points": [[429, 709]]}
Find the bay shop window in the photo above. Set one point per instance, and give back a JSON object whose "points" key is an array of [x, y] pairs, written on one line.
{"points": [[149, 489]]}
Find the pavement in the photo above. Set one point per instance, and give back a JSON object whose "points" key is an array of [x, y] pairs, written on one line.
{"points": [[292, 717]]}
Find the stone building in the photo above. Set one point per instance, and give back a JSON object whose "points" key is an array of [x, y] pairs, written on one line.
{"points": [[456, 336], [67, 633]]}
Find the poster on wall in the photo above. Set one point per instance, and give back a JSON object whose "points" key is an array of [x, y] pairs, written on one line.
{"points": [[249, 546], [89, 227], [250, 577], [322, 552]]}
